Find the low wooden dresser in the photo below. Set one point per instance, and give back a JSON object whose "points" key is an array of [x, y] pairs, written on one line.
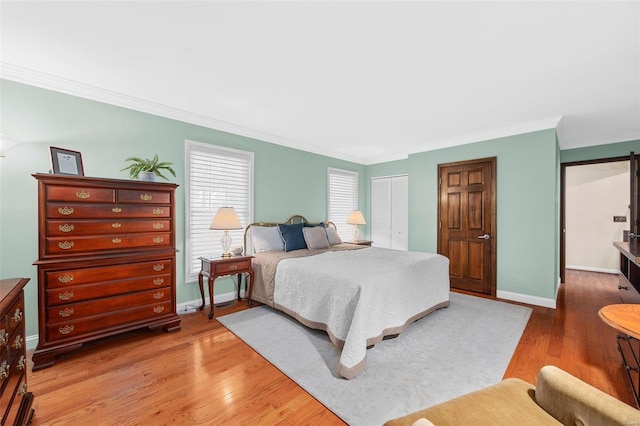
{"points": [[15, 401], [107, 260]]}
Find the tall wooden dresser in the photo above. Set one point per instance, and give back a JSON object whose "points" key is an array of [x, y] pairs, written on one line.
{"points": [[15, 401], [107, 260]]}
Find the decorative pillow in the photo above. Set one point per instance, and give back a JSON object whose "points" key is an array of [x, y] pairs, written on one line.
{"points": [[292, 236], [266, 238], [332, 236], [315, 237], [313, 225]]}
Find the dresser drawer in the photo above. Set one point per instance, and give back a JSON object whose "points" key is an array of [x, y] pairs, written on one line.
{"points": [[101, 227], [71, 312], [10, 387], [137, 196], [16, 404], [107, 211], [79, 293], [80, 194], [59, 245], [101, 323], [107, 274]]}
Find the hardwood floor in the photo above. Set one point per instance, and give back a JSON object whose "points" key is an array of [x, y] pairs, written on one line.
{"points": [[204, 375]]}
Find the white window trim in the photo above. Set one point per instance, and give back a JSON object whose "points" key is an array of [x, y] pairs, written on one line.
{"points": [[193, 276]]}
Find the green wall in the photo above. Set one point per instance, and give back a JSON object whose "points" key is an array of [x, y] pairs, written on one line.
{"points": [[286, 181], [527, 188]]}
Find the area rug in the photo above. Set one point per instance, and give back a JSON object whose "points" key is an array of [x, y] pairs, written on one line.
{"points": [[450, 352]]}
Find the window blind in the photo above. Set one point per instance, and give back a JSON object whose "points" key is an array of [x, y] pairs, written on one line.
{"points": [[216, 177], [343, 199]]}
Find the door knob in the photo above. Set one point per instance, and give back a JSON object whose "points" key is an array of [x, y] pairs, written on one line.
{"points": [[484, 237]]}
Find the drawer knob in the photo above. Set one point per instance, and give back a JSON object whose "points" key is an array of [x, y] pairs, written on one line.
{"points": [[22, 363], [67, 295], [116, 225], [158, 309], [159, 267], [83, 195], [18, 342], [66, 227], [65, 245], [159, 295], [66, 211], [116, 209], [233, 267], [158, 211], [4, 370], [66, 312], [3, 337], [158, 225], [66, 278], [18, 315], [158, 281], [146, 197], [116, 240], [66, 329], [158, 240], [22, 391]]}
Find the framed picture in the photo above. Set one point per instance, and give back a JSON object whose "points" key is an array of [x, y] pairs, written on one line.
{"points": [[66, 162]]}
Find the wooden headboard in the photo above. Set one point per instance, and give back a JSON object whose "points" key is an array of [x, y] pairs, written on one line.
{"points": [[296, 218]]}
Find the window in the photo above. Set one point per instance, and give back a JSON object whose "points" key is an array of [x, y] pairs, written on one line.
{"points": [[343, 199], [215, 177]]}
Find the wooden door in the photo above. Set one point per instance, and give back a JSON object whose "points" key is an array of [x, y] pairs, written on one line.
{"points": [[467, 223]]}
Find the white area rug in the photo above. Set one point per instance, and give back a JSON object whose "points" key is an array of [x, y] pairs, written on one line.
{"points": [[450, 352]]}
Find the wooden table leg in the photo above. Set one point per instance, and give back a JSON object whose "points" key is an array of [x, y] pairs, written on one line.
{"points": [[211, 278], [201, 284], [239, 284], [250, 285]]}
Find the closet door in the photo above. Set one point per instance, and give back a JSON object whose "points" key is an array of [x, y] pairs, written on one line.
{"points": [[381, 212], [389, 212], [400, 213]]}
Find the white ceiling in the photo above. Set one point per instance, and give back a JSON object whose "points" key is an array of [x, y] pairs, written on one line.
{"points": [[363, 81]]}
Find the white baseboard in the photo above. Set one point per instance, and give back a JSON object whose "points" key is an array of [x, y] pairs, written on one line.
{"points": [[592, 269], [181, 308], [525, 298], [192, 305]]}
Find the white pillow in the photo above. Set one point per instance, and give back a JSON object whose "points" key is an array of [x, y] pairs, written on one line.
{"points": [[266, 238], [315, 237], [332, 235]]}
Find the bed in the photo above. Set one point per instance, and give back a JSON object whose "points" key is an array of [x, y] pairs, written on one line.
{"points": [[357, 294]]}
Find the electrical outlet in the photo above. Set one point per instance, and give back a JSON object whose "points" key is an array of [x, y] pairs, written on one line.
{"points": [[619, 218]]}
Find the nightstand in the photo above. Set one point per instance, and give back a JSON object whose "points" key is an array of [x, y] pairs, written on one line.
{"points": [[224, 266], [360, 243]]}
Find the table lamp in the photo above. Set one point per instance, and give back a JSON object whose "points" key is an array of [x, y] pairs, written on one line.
{"points": [[225, 219], [356, 218]]}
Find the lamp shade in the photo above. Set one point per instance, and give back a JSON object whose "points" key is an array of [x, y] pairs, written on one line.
{"points": [[226, 218], [356, 218]]}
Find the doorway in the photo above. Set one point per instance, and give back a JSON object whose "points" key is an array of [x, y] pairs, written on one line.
{"points": [[467, 234], [594, 212]]}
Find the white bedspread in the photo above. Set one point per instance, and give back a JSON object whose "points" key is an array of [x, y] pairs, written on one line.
{"points": [[360, 296]]}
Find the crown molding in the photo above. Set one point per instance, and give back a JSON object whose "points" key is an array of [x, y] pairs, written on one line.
{"points": [[519, 129], [70, 87], [51, 82]]}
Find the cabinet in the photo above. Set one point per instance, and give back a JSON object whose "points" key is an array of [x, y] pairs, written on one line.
{"points": [[629, 283], [107, 260], [15, 401]]}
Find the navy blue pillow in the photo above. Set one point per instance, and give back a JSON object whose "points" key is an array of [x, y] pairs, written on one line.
{"points": [[311, 225], [293, 237]]}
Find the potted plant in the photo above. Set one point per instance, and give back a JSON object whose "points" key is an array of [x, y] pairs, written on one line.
{"points": [[147, 169]]}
